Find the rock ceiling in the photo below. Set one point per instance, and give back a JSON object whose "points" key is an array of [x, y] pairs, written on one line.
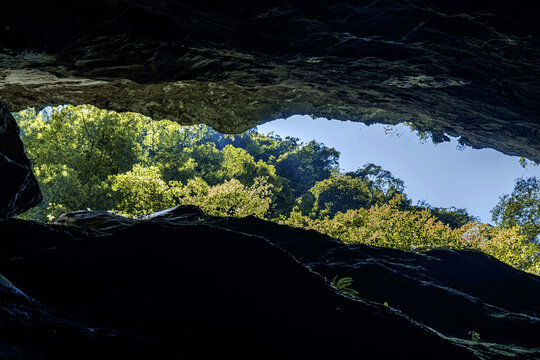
{"points": [[467, 68]]}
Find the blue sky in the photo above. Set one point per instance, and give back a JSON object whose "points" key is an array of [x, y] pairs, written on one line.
{"points": [[438, 173]]}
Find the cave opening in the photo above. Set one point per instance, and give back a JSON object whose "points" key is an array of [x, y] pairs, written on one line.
{"points": [[295, 254], [442, 171], [288, 171]]}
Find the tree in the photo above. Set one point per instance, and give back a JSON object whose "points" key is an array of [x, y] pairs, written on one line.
{"points": [[417, 229], [239, 164], [170, 147], [368, 186], [267, 148], [140, 191], [62, 192], [339, 193], [522, 208], [382, 184], [304, 167], [378, 177], [452, 216], [384, 225], [93, 142], [230, 198], [204, 161], [73, 150]]}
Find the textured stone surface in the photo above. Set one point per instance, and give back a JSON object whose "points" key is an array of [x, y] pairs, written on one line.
{"points": [[466, 68], [19, 189], [193, 287]]}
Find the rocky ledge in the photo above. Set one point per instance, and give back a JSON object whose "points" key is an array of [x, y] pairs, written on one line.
{"points": [[465, 68], [178, 284]]}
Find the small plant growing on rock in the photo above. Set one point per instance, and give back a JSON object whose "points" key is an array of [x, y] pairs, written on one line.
{"points": [[474, 336], [343, 285]]}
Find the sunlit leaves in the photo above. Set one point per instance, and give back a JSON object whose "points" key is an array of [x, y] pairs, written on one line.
{"points": [[61, 189], [231, 198], [140, 191], [419, 230], [522, 208], [85, 157], [338, 194], [94, 142]]}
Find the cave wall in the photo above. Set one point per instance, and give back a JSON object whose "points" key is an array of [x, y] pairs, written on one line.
{"points": [[19, 187], [457, 67]]}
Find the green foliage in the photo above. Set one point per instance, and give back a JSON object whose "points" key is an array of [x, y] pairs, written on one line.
{"points": [[521, 208], [140, 191], [74, 150], [451, 216], [85, 157], [94, 142], [361, 189], [424, 135], [524, 162], [418, 230], [384, 225], [475, 336], [307, 165], [342, 285], [379, 178], [167, 146], [506, 244], [338, 194], [230, 198], [61, 189], [267, 148]]}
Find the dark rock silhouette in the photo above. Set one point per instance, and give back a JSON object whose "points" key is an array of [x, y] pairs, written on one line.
{"points": [[19, 187], [190, 286]]}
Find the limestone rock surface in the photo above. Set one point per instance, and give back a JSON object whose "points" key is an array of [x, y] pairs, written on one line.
{"points": [[463, 68]]}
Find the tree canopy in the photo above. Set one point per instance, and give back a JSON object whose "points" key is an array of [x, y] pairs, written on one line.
{"points": [[521, 207], [126, 163]]}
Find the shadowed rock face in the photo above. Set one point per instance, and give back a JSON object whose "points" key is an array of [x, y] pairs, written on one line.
{"points": [[19, 189], [189, 286], [466, 68]]}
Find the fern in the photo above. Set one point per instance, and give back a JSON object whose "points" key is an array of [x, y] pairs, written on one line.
{"points": [[343, 284]]}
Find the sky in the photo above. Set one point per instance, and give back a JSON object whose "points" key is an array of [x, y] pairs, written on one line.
{"points": [[440, 174]]}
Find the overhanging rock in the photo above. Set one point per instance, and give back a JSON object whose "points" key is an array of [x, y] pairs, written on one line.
{"points": [[462, 68]]}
